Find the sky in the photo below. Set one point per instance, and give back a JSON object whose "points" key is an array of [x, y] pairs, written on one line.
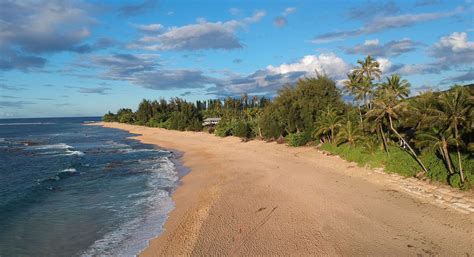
{"points": [[64, 58]]}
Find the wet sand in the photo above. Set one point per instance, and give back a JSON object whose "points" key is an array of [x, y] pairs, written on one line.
{"points": [[259, 198]]}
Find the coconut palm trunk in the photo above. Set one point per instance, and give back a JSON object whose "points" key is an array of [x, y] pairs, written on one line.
{"points": [[446, 157], [384, 140], [459, 153], [407, 145]]}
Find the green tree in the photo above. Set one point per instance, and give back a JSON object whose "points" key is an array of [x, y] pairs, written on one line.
{"points": [[367, 70], [386, 105], [349, 132], [437, 140], [455, 107], [327, 123]]}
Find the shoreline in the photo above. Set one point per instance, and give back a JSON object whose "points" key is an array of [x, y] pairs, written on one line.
{"points": [[263, 198]]}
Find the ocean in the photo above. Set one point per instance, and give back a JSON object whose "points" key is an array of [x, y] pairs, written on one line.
{"points": [[67, 189]]}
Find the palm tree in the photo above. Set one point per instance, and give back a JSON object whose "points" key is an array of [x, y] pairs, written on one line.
{"points": [[454, 109], [349, 132], [436, 139], [327, 123], [399, 88], [254, 101], [423, 107], [368, 68], [245, 99], [352, 87], [386, 106]]}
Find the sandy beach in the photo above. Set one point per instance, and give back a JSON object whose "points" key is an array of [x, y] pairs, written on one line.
{"points": [[259, 198]]}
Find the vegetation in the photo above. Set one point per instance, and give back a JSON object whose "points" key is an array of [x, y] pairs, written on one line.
{"points": [[430, 135]]}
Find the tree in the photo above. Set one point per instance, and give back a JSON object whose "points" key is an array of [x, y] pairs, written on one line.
{"points": [[455, 107], [367, 70], [327, 123], [438, 140], [400, 89], [349, 132], [388, 106]]}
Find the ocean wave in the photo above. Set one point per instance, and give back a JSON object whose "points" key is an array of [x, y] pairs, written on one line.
{"points": [[26, 123], [114, 144], [133, 236], [131, 150], [53, 146], [59, 175], [77, 153], [69, 170]]}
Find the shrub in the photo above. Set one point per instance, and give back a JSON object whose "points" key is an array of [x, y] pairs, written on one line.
{"points": [[223, 129], [401, 162], [241, 129], [298, 139], [195, 125]]}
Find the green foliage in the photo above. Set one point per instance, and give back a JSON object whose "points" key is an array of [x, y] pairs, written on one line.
{"points": [[241, 129], [223, 129], [270, 127], [109, 117], [432, 132], [401, 162], [298, 138]]}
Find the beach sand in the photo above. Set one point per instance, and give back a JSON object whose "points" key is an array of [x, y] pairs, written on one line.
{"points": [[259, 198]]}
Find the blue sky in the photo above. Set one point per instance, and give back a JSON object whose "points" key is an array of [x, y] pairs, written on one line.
{"points": [[84, 58]]}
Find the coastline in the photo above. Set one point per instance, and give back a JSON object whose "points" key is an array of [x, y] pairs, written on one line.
{"points": [[259, 198]]}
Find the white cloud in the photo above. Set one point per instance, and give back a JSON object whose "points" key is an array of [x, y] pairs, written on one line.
{"points": [[149, 28], [328, 63], [391, 48], [385, 64], [201, 35], [289, 11], [386, 22], [454, 49], [272, 78], [282, 21]]}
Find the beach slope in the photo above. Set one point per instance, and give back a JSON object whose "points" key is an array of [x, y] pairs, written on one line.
{"points": [[258, 198]]}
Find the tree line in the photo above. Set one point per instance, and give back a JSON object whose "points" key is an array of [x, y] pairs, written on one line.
{"points": [[429, 135]]}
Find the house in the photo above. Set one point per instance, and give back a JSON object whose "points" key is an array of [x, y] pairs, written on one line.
{"points": [[210, 121]]}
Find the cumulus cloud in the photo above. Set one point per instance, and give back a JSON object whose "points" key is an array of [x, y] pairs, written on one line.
{"points": [[30, 28], [201, 35], [281, 20], [272, 78], [383, 23], [451, 51], [145, 71], [390, 49], [454, 49]]}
